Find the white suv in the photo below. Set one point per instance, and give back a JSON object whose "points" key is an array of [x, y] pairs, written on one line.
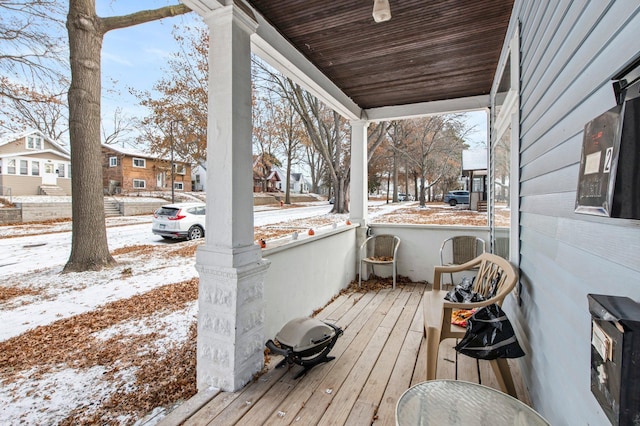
{"points": [[180, 220]]}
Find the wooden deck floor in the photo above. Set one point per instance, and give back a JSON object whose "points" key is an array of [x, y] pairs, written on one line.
{"points": [[379, 356]]}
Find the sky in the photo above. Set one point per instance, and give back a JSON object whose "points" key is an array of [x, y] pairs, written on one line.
{"points": [[136, 56]]}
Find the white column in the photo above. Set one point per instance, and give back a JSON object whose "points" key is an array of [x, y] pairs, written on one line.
{"points": [[359, 173], [231, 303]]}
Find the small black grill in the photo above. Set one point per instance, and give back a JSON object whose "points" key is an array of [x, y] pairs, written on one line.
{"points": [[305, 342]]}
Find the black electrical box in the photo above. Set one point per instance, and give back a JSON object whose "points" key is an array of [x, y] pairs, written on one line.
{"points": [[615, 357]]}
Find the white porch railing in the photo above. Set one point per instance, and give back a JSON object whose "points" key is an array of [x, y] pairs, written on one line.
{"points": [[306, 273]]}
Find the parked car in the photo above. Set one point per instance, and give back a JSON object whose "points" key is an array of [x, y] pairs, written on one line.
{"points": [[180, 220], [456, 197], [405, 197]]}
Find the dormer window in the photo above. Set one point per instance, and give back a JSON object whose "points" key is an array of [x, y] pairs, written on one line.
{"points": [[34, 142]]}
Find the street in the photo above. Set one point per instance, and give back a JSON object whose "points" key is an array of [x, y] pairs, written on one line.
{"points": [[47, 249]]}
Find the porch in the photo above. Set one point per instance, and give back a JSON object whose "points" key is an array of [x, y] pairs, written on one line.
{"points": [[379, 356]]}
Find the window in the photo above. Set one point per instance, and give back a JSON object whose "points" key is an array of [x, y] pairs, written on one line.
{"points": [[11, 167], [181, 169], [504, 167], [34, 142], [24, 167], [139, 184], [48, 168], [35, 168], [139, 162], [178, 185], [60, 170], [113, 162]]}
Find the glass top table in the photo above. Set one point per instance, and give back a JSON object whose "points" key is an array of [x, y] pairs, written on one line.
{"points": [[456, 402]]}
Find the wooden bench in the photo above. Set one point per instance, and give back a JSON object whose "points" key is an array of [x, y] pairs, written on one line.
{"points": [[437, 310]]}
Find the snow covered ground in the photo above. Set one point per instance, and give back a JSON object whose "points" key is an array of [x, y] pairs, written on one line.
{"points": [[35, 297]]}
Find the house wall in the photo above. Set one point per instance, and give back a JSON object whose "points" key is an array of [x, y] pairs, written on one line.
{"points": [[569, 52], [125, 173], [28, 185]]}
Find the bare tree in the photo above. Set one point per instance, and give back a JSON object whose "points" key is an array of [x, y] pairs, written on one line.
{"points": [[432, 143], [121, 126], [89, 249], [178, 117], [31, 52], [28, 109]]}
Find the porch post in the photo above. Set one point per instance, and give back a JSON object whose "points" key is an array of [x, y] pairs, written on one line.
{"points": [[359, 174], [230, 300]]}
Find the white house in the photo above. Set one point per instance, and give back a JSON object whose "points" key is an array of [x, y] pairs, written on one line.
{"points": [[199, 177]]}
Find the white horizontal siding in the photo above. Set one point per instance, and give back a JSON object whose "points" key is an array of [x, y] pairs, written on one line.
{"points": [[569, 52]]}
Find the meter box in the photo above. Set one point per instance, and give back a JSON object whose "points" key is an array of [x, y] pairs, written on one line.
{"points": [[615, 356]]}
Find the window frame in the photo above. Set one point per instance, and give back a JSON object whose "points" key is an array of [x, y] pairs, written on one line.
{"points": [[35, 164], [34, 142], [507, 121], [138, 181], [113, 161], [178, 186], [24, 168], [139, 160]]}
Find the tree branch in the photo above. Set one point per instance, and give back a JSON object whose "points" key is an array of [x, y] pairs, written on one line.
{"points": [[115, 22]]}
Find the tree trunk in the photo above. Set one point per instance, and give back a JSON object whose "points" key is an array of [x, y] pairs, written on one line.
{"points": [[89, 249], [395, 177], [287, 192]]}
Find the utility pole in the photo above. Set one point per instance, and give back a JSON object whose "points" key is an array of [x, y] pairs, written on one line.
{"points": [[172, 165]]}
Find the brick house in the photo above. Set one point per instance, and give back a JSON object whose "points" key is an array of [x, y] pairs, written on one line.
{"points": [[33, 164], [126, 170]]}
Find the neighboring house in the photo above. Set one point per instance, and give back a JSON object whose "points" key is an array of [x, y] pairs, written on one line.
{"points": [[126, 170], [34, 164], [199, 177], [474, 170], [298, 184], [266, 177]]}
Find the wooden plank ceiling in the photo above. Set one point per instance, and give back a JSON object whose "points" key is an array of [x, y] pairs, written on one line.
{"points": [[430, 49]]}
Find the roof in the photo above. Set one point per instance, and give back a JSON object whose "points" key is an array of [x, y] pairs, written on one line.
{"points": [[16, 136], [428, 51], [131, 152]]}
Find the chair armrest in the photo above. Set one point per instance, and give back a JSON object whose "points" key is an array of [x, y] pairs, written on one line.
{"points": [[433, 315], [433, 303]]}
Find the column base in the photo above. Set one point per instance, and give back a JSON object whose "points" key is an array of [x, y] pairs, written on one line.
{"points": [[231, 317]]}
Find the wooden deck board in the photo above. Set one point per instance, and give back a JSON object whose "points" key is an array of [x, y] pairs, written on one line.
{"points": [[380, 354], [296, 400]]}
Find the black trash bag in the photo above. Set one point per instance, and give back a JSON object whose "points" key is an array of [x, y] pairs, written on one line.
{"points": [[463, 293], [490, 335]]}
